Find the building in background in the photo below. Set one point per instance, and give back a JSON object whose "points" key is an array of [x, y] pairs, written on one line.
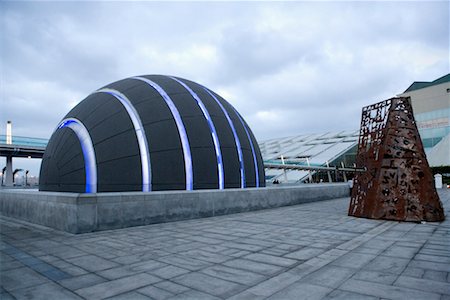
{"points": [[431, 105], [311, 150]]}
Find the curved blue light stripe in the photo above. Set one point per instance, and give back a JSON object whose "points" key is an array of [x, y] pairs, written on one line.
{"points": [[90, 164], [212, 128], [255, 161], [236, 138], [181, 130], [140, 134]]}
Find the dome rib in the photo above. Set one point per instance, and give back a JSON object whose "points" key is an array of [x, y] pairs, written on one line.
{"points": [[255, 160], [181, 130], [212, 128], [90, 163], [140, 135], [235, 135]]}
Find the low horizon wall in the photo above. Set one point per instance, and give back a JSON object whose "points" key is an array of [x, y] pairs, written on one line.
{"points": [[81, 213]]}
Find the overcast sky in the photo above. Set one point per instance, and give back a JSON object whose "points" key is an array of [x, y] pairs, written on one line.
{"points": [[289, 68]]}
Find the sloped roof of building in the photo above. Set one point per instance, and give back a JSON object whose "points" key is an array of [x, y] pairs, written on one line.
{"points": [[417, 85], [307, 149]]}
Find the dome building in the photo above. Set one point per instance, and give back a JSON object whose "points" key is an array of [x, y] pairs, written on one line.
{"points": [[151, 133]]}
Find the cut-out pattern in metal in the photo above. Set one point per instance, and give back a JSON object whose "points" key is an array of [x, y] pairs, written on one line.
{"points": [[398, 184]]}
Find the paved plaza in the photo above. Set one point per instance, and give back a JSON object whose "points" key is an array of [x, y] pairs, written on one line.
{"points": [[309, 251]]}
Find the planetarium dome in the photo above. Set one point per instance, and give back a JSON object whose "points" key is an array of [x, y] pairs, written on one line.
{"points": [[151, 133]]}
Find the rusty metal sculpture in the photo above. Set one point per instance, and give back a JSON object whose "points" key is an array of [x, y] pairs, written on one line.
{"points": [[398, 183]]}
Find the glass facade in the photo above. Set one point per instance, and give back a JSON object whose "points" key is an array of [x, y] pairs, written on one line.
{"points": [[433, 126]]}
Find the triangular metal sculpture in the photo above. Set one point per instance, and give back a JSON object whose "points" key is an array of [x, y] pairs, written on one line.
{"points": [[398, 183]]}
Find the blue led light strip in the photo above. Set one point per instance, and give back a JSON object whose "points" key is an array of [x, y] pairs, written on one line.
{"points": [[236, 138], [255, 161], [90, 164], [212, 128], [181, 130], [140, 134]]}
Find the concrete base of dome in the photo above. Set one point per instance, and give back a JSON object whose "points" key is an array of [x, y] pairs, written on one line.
{"points": [[81, 213]]}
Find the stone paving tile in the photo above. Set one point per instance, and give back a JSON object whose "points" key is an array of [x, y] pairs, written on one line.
{"points": [[253, 266], [134, 258], [399, 251], [305, 253], [329, 276], [433, 258], [185, 262], [438, 252], [116, 287], [168, 272], [436, 275], [81, 281], [344, 295], [172, 287], [9, 265], [414, 272], [354, 260], [21, 278], [92, 263], [423, 285], [387, 264], [117, 272], [6, 296], [302, 290], [274, 252], [45, 291], [386, 291], [235, 252], [206, 256], [130, 296], [246, 247], [65, 252], [190, 295], [269, 287], [208, 284], [427, 265], [271, 259], [145, 266], [373, 276], [234, 275], [155, 293]]}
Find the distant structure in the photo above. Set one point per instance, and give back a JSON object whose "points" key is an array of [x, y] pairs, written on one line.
{"points": [[312, 151], [431, 105], [398, 184], [151, 133]]}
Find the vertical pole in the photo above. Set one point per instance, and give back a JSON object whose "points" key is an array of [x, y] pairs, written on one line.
{"points": [[343, 172], [309, 171], [329, 174], [284, 170], [9, 171]]}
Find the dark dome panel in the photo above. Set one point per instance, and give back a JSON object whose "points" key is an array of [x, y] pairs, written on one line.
{"points": [[67, 164], [151, 133]]}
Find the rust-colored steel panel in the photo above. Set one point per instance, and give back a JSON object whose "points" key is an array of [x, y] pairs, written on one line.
{"points": [[398, 183]]}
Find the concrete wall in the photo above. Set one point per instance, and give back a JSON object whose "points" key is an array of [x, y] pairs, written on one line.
{"points": [[80, 213]]}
